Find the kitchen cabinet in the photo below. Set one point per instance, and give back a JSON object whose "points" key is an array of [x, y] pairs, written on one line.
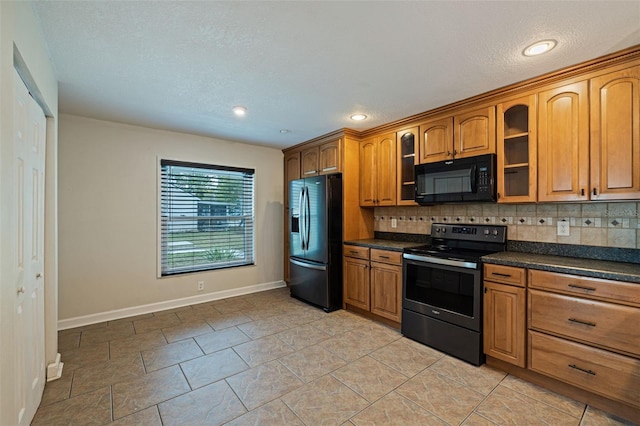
{"points": [[372, 280], [615, 135], [517, 150], [466, 134], [583, 331], [505, 313], [436, 140], [408, 150], [310, 161], [378, 171], [322, 159], [291, 172], [563, 143], [589, 139], [330, 158], [355, 276]]}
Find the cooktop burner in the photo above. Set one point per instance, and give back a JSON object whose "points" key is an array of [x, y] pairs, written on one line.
{"points": [[464, 242]]}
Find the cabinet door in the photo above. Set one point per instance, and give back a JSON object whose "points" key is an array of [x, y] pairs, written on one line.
{"points": [[330, 157], [407, 141], [615, 135], [291, 172], [474, 132], [356, 282], [386, 170], [386, 290], [517, 156], [505, 322], [563, 143], [310, 162], [368, 172], [436, 140]]}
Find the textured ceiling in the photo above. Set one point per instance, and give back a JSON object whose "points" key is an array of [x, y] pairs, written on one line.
{"points": [[306, 66]]}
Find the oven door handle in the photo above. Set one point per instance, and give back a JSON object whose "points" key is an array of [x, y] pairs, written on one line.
{"points": [[440, 261]]}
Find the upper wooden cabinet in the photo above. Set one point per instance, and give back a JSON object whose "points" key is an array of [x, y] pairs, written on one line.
{"points": [[378, 171], [436, 140], [466, 134], [330, 157], [474, 132], [310, 158], [615, 135], [563, 143], [589, 139], [322, 159], [517, 156], [407, 141]]}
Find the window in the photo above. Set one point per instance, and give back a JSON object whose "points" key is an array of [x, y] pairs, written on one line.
{"points": [[206, 217]]}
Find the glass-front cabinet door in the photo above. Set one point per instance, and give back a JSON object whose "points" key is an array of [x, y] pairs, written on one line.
{"points": [[407, 159], [517, 150]]}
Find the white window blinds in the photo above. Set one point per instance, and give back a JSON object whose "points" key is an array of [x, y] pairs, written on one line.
{"points": [[206, 218]]}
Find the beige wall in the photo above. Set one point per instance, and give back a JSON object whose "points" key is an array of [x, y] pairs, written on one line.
{"points": [[19, 30], [592, 224], [109, 220]]}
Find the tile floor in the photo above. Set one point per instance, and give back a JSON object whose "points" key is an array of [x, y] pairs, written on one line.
{"points": [[268, 359]]}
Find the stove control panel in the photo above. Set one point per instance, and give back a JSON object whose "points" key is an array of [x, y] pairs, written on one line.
{"points": [[469, 232]]}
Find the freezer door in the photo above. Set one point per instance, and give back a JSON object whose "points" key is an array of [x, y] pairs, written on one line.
{"points": [[310, 282], [315, 226], [296, 218]]}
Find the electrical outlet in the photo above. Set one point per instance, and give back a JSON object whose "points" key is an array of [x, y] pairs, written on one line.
{"points": [[394, 222], [563, 228], [200, 285]]}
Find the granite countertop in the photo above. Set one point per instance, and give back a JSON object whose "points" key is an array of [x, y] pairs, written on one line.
{"points": [[568, 265], [378, 243]]}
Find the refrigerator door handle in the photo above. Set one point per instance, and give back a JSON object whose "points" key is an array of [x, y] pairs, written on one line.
{"points": [[307, 218], [301, 217], [309, 266]]}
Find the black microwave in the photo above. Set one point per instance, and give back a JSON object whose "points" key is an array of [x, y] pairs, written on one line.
{"points": [[451, 181]]}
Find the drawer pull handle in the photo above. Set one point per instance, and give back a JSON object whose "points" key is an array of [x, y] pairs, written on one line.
{"points": [[353, 252], [383, 257], [581, 287], [501, 275], [590, 324], [575, 367]]}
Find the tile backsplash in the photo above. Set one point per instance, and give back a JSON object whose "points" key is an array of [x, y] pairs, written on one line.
{"points": [[593, 224]]}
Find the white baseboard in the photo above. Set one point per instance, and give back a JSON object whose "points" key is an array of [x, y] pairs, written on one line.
{"points": [[161, 306]]}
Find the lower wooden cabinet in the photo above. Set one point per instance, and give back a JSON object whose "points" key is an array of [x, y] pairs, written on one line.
{"points": [[356, 282], [386, 290], [373, 281], [505, 312]]}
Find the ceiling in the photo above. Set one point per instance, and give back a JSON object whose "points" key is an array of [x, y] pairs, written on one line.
{"points": [[306, 66]]}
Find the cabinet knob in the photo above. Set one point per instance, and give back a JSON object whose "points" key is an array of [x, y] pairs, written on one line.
{"points": [[38, 275], [582, 191], [595, 191], [21, 290]]}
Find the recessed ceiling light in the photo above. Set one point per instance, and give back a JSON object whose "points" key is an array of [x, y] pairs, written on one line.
{"points": [[358, 117], [239, 110], [284, 130], [539, 48]]}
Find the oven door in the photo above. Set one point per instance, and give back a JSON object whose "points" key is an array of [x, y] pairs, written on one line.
{"points": [[449, 290]]}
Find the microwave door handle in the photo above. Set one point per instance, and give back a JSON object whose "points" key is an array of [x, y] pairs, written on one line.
{"points": [[474, 179]]}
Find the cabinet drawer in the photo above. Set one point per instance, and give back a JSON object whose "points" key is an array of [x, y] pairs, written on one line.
{"points": [[356, 251], [386, 256], [505, 274], [584, 286], [603, 324], [605, 373]]}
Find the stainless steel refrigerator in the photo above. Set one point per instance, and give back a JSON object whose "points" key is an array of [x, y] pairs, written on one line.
{"points": [[315, 240]]}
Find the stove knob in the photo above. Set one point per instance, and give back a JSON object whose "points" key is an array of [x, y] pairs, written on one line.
{"points": [[486, 232], [495, 232], [444, 230]]}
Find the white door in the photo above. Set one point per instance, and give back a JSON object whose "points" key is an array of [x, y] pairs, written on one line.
{"points": [[29, 160]]}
